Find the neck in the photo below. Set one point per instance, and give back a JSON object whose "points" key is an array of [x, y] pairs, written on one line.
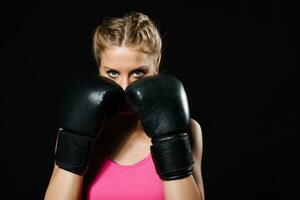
{"points": [[123, 129]]}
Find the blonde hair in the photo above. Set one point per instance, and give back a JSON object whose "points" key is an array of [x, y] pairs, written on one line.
{"points": [[134, 30]]}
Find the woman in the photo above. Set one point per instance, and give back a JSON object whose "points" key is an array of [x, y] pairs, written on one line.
{"points": [[130, 156]]}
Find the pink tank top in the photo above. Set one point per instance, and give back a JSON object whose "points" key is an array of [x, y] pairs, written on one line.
{"points": [[127, 182]]}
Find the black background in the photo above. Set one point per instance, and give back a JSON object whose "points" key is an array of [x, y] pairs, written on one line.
{"points": [[237, 61]]}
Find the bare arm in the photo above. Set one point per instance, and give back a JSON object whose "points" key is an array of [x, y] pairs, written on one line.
{"points": [[190, 187], [83, 108], [64, 185]]}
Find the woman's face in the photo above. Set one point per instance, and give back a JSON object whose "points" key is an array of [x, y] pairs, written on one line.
{"points": [[124, 65]]}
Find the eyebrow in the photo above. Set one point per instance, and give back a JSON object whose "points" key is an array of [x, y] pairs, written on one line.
{"points": [[137, 68]]}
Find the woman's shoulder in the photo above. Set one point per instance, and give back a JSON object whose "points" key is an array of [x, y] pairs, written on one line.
{"points": [[195, 127], [196, 138]]}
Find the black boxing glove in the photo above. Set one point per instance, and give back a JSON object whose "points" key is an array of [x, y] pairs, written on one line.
{"points": [[85, 105], [161, 103]]}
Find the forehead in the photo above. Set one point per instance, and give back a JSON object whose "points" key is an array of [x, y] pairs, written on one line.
{"points": [[123, 56]]}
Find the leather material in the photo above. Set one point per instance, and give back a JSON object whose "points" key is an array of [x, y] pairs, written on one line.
{"points": [[162, 106], [85, 105]]}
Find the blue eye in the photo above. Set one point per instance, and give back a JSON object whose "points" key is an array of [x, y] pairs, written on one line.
{"points": [[138, 73], [112, 73]]}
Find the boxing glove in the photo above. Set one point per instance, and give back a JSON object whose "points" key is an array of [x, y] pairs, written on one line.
{"points": [[85, 105], [162, 106]]}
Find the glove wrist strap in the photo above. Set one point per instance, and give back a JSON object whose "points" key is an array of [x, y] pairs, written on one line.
{"points": [[73, 151], [172, 156]]}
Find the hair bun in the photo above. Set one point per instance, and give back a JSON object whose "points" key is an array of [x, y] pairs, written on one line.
{"points": [[138, 17]]}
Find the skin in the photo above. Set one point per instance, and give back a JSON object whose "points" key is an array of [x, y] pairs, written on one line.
{"points": [[124, 66]]}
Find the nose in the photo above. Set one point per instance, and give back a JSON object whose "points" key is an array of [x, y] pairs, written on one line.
{"points": [[124, 82]]}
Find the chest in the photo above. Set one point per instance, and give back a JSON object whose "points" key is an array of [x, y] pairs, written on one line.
{"points": [[122, 182]]}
